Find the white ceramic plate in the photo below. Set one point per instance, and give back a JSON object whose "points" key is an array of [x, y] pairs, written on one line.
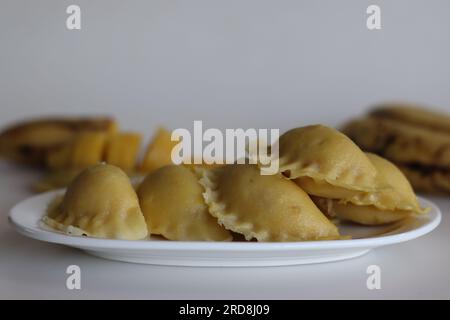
{"points": [[25, 217]]}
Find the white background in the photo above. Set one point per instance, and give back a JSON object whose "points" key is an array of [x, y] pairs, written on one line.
{"points": [[248, 63]]}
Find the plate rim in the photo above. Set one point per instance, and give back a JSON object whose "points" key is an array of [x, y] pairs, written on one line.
{"points": [[38, 233]]}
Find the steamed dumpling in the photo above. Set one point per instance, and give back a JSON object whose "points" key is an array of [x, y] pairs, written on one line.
{"points": [[399, 195], [366, 215], [384, 206], [264, 207], [100, 202], [322, 155], [173, 206]]}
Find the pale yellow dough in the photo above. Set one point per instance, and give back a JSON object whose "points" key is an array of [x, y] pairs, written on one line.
{"points": [[321, 188], [396, 192], [173, 206], [328, 157], [366, 215], [263, 207], [399, 196], [102, 203], [387, 205]]}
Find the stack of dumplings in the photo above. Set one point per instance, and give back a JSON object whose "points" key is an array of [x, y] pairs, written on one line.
{"points": [[344, 181], [322, 176], [324, 162]]}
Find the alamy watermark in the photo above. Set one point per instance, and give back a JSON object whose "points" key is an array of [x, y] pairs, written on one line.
{"points": [[213, 146], [373, 21], [73, 281], [73, 21], [373, 281]]}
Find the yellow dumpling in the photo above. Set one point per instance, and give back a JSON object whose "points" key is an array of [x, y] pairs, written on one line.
{"points": [[387, 205], [264, 207], [328, 157], [322, 188], [366, 215], [102, 203], [173, 206], [399, 195]]}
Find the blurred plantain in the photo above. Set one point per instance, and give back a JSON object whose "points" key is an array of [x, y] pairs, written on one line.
{"points": [[89, 148], [416, 139], [122, 150], [158, 153], [84, 150], [29, 142], [66, 146]]}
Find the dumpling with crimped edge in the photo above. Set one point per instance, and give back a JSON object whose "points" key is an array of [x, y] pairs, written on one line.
{"points": [[399, 196], [365, 215], [264, 207], [326, 156], [373, 208], [102, 203], [322, 188], [172, 202]]}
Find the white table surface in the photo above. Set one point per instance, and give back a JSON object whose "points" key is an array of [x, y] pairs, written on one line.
{"points": [[31, 269]]}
